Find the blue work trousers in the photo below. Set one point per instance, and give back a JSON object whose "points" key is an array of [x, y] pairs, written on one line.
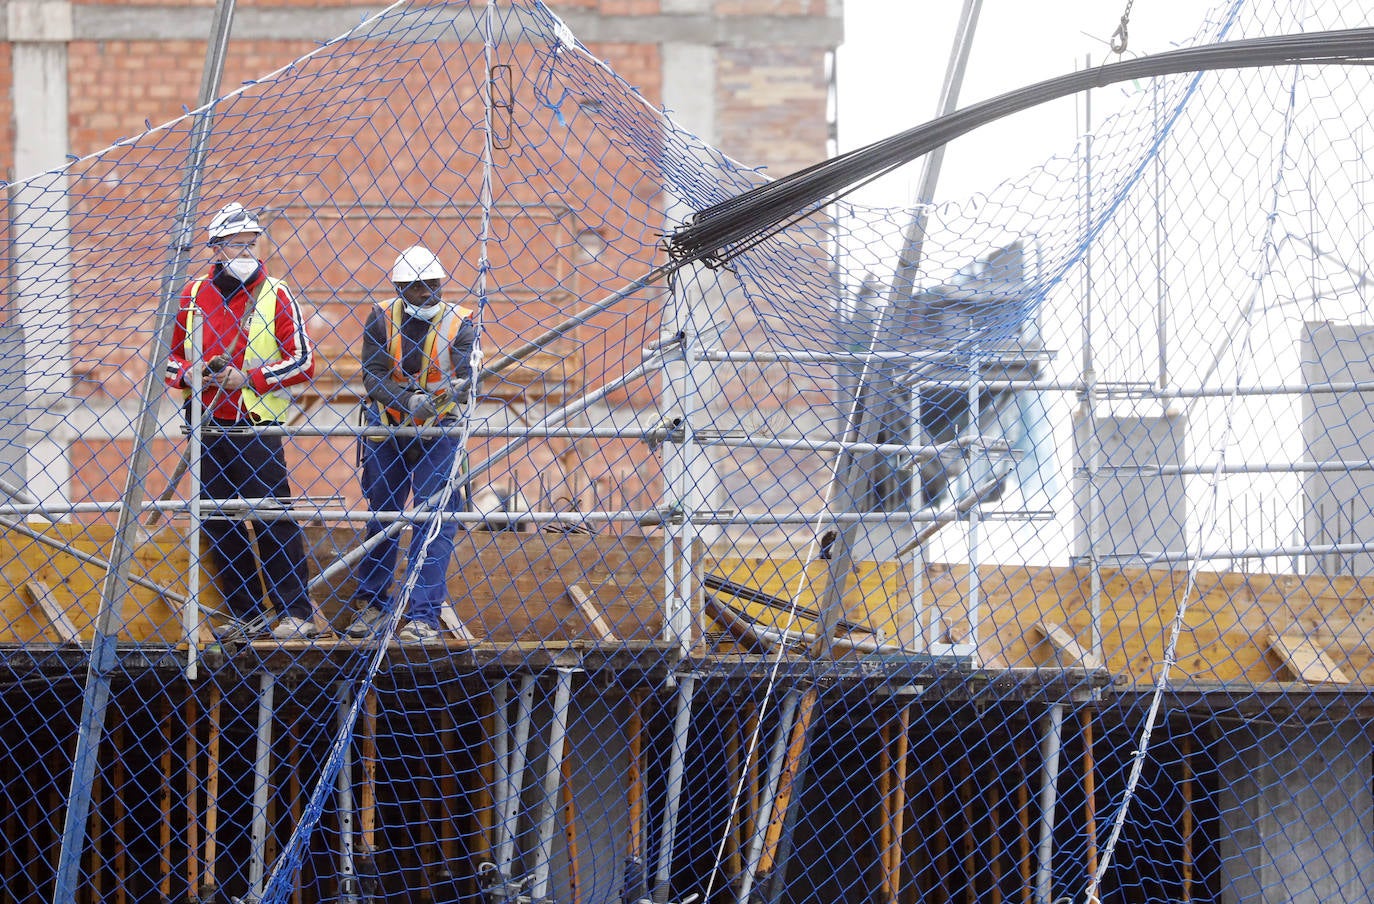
{"points": [[395, 470], [244, 464]]}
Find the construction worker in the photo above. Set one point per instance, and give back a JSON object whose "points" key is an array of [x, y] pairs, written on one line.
{"points": [[417, 370], [252, 347]]}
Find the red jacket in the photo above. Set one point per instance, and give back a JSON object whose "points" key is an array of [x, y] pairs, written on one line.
{"points": [[222, 325]]}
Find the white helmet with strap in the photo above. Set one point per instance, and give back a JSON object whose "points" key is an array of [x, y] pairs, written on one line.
{"points": [[232, 219], [418, 264]]}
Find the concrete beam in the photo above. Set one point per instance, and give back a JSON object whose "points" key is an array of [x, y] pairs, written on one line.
{"points": [[693, 25]]}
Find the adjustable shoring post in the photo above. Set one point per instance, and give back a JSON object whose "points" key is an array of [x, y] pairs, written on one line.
{"points": [[495, 876], [498, 747], [343, 784], [262, 775], [677, 760], [553, 772]]}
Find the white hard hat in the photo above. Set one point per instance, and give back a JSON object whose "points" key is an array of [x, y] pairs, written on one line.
{"points": [[415, 264], [232, 219]]}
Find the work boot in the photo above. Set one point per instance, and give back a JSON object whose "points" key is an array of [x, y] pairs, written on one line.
{"points": [[418, 632], [240, 630], [292, 628], [365, 623]]}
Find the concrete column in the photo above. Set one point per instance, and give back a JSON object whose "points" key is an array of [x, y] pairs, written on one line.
{"points": [[689, 76], [40, 242], [1296, 825]]}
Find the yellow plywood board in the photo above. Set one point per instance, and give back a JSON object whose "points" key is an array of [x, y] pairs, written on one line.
{"points": [[877, 594], [515, 587], [70, 586]]}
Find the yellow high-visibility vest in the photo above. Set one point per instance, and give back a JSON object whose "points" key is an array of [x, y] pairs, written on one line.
{"points": [[262, 349]]}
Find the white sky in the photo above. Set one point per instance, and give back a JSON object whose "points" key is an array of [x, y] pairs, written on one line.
{"points": [[892, 65]]}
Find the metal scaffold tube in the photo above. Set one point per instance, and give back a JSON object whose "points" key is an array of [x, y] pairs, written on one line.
{"points": [[511, 747], [115, 587], [262, 774], [786, 714], [553, 773], [677, 759], [1050, 747]]}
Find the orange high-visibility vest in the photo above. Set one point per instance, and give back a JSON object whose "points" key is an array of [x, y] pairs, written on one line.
{"points": [[438, 355]]}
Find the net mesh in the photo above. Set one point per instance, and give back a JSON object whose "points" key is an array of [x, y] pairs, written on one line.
{"points": [[1008, 549]]}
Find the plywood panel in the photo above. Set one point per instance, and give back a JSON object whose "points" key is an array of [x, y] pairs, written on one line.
{"points": [[508, 585], [74, 585]]}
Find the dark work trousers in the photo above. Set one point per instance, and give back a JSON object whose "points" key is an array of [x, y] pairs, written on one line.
{"points": [[246, 465], [395, 470]]}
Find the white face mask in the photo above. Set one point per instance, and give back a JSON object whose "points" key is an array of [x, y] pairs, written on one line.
{"points": [[241, 268], [426, 312]]}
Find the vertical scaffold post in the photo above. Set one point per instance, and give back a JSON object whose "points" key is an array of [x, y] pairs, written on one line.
{"points": [[192, 792], [105, 637], [687, 472], [1050, 746], [553, 772], [343, 791], [677, 761], [510, 788], [262, 778], [499, 743]]}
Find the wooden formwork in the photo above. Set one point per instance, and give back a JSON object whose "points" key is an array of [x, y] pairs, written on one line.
{"points": [[509, 586], [1248, 628], [505, 586]]}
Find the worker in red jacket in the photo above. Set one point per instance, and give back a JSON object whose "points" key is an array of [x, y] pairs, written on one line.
{"points": [[240, 336]]}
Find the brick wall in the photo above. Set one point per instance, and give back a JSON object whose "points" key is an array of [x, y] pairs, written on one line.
{"points": [[770, 109], [771, 105]]}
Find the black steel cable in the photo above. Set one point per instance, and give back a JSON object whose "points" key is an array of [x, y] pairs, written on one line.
{"points": [[724, 230]]}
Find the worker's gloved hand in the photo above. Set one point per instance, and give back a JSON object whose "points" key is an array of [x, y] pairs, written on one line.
{"points": [[452, 394], [422, 406], [228, 378]]}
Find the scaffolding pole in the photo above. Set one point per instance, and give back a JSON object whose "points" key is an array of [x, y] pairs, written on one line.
{"points": [[105, 641]]}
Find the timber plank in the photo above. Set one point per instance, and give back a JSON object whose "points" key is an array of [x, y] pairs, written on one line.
{"points": [[1305, 660], [41, 596]]}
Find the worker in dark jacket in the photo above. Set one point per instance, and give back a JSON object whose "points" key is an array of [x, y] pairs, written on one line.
{"points": [[241, 338], [417, 369]]}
